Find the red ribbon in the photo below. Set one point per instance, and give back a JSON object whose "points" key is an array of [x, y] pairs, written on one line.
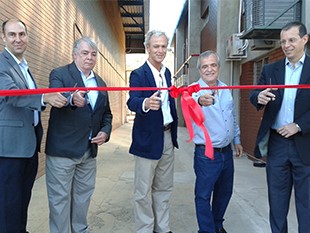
{"points": [[192, 111], [19, 92]]}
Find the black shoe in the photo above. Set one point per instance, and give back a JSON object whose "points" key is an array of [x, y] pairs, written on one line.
{"points": [[258, 163], [222, 230], [167, 232]]}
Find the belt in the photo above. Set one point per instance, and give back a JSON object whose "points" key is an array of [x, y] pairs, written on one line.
{"points": [[167, 127], [274, 132], [221, 150]]}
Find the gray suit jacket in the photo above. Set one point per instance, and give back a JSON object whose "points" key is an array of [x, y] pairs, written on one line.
{"points": [[19, 137]]}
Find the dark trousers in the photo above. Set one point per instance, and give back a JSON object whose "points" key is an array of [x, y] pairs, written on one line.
{"points": [[285, 170], [17, 177], [214, 178]]}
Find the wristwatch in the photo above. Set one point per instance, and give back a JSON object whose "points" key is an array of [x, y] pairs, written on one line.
{"points": [[299, 129]]}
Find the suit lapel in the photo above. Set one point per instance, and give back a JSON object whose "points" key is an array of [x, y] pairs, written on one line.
{"points": [[76, 75], [149, 75], [15, 66], [279, 75], [305, 73], [168, 78], [100, 93]]}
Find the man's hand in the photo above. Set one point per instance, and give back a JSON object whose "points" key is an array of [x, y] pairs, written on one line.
{"points": [[239, 150], [100, 138], [288, 130], [78, 98], [206, 100], [153, 102], [266, 95], [55, 99]]}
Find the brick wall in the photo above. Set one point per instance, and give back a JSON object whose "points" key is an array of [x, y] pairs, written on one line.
{"points": [[52, 28], [249, 117]]}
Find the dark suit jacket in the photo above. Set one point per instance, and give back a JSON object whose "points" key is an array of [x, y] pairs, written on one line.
{"points": [[148, 129], [275, 73], [19, 137], [70, 127]]}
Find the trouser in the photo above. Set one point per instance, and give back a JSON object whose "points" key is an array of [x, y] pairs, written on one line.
{"points": [[214, 178], [285, 170], [70, 185], [154, 178], [17, 176]]}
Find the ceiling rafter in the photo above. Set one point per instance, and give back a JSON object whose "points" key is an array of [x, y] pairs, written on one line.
{"points": [[135, 23]]}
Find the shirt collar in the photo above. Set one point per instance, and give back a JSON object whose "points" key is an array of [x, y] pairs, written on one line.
{"points": [[202, 83], [301, 61], [155, 71], [23, 62], [90, 76]]}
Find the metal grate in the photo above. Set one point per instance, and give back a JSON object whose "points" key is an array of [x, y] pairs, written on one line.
{"points": [[269, 16]]}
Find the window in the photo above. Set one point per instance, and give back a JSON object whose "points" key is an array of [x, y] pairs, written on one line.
{"points": [[258, 66]]}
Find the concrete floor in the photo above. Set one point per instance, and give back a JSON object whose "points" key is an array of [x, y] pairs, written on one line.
{"points": [[111, 209]]}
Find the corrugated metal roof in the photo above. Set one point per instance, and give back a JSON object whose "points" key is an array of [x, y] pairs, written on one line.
{"points": [[135, 18]]}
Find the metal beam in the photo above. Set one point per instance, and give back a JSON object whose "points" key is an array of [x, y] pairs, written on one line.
{"points": [[131, 3], [126, 14], [129, 25]]}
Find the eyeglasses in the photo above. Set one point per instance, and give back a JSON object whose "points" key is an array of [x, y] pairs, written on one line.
{"points": [[289, 41]]}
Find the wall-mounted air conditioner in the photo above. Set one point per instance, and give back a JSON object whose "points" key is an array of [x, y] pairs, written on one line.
{"points": [[235, 47], [262, 44], [265, 18]]}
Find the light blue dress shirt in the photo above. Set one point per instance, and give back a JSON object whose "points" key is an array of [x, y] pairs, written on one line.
{"points": [[292, 77], [90, 81], [220, 118]]}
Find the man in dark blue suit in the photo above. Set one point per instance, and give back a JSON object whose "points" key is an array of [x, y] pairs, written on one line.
{"points": [[284, 133], [154, 137]]}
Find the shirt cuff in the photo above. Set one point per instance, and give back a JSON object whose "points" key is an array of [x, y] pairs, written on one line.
{"points": [[42, 101], [143, 106]]}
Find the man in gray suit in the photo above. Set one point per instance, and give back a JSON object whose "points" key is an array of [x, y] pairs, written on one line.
{"points": [[73, 136], [20, 129]]}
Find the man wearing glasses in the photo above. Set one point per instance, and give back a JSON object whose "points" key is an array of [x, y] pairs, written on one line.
{"points": [[284, 133]]}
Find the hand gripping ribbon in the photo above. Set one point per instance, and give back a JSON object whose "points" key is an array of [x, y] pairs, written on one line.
{"points": [[193, 112]]}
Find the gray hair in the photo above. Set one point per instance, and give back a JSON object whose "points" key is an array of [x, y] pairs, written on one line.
{"points": [[86, 39], [151, 33], [206, 54]]}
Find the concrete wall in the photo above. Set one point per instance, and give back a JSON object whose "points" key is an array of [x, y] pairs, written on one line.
{"points": [[54, 25]]}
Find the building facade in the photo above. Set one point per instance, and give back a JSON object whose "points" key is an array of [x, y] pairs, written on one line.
{"points": [[54, 25], [245, 33]]}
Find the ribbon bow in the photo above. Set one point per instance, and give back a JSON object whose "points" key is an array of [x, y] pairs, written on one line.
{"points": [[192, 111]]}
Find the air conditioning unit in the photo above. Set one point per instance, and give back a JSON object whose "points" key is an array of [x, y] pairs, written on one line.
{"points": [[235, 47], [262, 44]]}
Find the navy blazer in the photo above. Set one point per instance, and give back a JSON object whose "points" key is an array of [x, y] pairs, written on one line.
{"points": [[275, 74], [148, 128], [70, 127]]}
